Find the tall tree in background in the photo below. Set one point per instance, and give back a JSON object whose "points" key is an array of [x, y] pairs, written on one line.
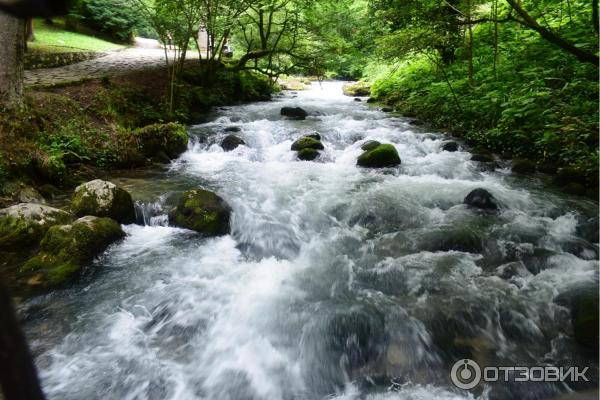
{"points": [[12, 47]]}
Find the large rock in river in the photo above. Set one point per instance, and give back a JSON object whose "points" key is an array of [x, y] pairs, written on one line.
{"points": [[357, 89], [381, 156], [231, 142], [25, 224], [103, 199], [202, 211], [294, 113], [65, 249], [481, 198], [308, 147], [157, 139]]}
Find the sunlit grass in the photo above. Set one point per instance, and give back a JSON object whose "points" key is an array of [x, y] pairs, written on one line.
{"points": [[54, 39]]}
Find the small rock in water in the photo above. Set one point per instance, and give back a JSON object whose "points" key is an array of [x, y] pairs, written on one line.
{"points": [[231, 142], [233, 129], [202, 211], [307, 142], [371, 100], [387, 109], [294, 113], [308, 146], [450, 146], [358, 100], [381, 156], [481, 198]]}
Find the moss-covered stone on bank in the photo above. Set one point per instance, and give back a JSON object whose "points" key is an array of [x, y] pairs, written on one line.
{"points": [[24, 224], [103, 199], [65, 249]]}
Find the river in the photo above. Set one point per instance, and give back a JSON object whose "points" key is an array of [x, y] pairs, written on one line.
{"points": [[336, 282]]}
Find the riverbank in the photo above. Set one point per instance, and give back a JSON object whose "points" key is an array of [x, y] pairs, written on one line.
{"points": [[70, 133], [541, 107]]}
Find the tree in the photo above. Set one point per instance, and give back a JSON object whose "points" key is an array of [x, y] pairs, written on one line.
{"points": [[12, 47]]}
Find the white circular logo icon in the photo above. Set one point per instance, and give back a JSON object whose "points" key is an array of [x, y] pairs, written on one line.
{"points": [[465, 374]]}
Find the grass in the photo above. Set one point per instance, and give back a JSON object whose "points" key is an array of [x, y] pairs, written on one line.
{"points": [[54, 38]]}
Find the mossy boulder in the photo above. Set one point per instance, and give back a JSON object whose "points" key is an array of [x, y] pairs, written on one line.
{"points": [[308, 146], [24, 224], [103, 199], [522, 166], [384, 155], [370, 145], [65, 249], [357, 89], [202, 211], [171, 139], [307, 142]]}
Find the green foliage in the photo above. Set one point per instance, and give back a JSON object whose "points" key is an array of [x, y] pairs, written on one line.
{"points": [[537, 101], [117, 19], [56, 38]]}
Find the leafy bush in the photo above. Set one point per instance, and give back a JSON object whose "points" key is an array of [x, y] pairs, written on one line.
{"points": [[541, 104], [117, 19]]}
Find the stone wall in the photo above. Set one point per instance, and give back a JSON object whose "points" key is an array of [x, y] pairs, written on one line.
{"points": [[36, 60]]}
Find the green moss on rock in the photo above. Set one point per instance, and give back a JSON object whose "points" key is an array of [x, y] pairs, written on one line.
{"points": [[24, 224], [307, 142], [370, 145], [171, 138], [202, 211], [308, 154], [103, 199], [357, 89], [384, 155], [65, 249]]}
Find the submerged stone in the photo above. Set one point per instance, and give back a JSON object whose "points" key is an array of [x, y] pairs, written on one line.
{"points": [[65, 249], [294, 113], [103, 199], [202, 211], [231, 142], [481, 198], [450, 146], [486, 158], [381, 156]]}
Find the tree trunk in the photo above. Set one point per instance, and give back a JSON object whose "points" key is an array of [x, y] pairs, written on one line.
{"points": [[12, 46], [29, 33], [18, 375]]}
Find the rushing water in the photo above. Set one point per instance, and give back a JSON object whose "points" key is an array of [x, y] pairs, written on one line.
{"points": [[336, 282]]}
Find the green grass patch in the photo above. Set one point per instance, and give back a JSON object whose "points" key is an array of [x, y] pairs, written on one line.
{"points": [[54, 38]]}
